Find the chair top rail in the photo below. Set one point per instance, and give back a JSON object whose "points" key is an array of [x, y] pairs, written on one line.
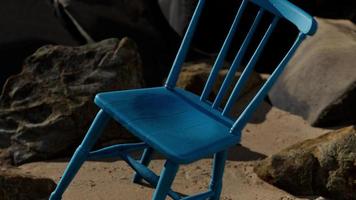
{"points": [[283, 8]]}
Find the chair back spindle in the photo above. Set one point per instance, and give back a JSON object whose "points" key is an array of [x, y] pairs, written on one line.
{"points": [[249, 68], [183, 50], [237, 61], [223, 52]]}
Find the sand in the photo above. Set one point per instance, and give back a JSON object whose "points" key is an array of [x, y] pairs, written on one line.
{"points": [[270, 131]]}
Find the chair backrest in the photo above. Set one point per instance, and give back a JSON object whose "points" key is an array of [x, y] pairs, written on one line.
{"points": [[279, 9]]}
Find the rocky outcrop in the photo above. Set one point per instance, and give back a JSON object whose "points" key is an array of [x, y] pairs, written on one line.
{"points": [[194, 75], [323, 166], [140, 20], [47, 108], [320, 83], [27, 25], [17, 185]]}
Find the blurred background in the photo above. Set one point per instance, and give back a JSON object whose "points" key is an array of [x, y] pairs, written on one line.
{"points": [[155, 25]]}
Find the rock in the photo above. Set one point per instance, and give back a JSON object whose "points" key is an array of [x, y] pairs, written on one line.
{"points": [[194, 75], [27, 25], [320, 84], [322, 166], [47, 108], [17, 185], [140, 20]]}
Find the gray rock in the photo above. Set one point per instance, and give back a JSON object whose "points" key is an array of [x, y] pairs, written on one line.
{"points": [[322, 166], [15, 185], [320, 83], [47, 108]]}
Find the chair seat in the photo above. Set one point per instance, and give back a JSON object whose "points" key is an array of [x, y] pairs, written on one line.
{"points": [[170, 121]]}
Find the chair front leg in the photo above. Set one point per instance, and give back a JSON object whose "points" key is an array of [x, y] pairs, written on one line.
{"points": [[217, 174], [166, 179], [81, 154]]}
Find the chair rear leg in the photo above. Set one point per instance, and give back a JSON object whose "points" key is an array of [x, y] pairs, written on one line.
{"points": [[81, 154], [166, 179], [217, 174], [145, 160]]}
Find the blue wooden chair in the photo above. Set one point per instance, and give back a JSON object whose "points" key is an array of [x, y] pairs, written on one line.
{"points": [[180, 125]]}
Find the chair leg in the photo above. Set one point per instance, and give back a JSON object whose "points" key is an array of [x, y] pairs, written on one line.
{"points": [[145, 160], [217, 174], [81, 154], [166, 179]]}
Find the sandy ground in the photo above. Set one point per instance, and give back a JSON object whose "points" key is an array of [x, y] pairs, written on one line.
{"points": [[270, 131]]}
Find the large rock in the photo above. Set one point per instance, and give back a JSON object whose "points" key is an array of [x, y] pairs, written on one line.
{"points": [[194, 75], [26, 26], [15, 185], [140, 20], [47, 108], [322, 166], [320, 83]]}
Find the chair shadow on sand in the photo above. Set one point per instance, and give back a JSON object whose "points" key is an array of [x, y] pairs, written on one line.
{"points": [[236, 153]]}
